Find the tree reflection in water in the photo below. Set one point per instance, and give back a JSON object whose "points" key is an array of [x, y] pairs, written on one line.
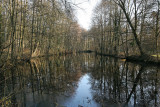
{"points": [[121, 83], [53, 81]]}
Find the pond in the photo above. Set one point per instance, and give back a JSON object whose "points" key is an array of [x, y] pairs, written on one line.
{"points": [[81, 80]]}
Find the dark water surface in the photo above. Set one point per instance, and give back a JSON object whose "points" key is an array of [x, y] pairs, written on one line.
{"points": [[82, 80]]}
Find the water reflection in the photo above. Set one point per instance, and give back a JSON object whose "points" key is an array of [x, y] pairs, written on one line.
{"points": [[83, 96], [82, 80]]}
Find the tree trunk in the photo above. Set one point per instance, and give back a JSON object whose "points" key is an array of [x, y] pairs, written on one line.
{"points": [[122, 5]]}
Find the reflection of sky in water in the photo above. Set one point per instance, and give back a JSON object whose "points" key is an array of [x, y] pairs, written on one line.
{"points": [[82, 95], [77, 80]]}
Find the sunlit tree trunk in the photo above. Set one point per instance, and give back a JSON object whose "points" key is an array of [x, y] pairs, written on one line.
{"points": [[33, 15], [157, 28]]}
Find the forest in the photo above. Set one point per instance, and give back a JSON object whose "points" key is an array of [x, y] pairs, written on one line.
{"points": [[32, 28], [126, 27], [46, 53]]}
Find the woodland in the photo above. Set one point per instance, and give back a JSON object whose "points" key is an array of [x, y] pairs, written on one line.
{"points": [[48, 59], [35, 28]]}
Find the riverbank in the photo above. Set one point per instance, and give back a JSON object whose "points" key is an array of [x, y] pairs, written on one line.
{"points": [[147, 59]]}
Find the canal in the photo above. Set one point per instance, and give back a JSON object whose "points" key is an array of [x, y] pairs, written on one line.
{"points": [[81, 80]]}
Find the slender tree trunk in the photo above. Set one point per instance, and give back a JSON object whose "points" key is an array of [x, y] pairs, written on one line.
{"points": [[12, 27], [33, 11], [157, 29], [122, 5]]}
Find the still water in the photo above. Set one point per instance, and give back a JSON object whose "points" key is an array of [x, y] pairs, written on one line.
{"points": [[82, 80]]}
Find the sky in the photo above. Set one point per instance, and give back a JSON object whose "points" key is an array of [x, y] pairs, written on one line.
{"points": [[84, 10]]}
